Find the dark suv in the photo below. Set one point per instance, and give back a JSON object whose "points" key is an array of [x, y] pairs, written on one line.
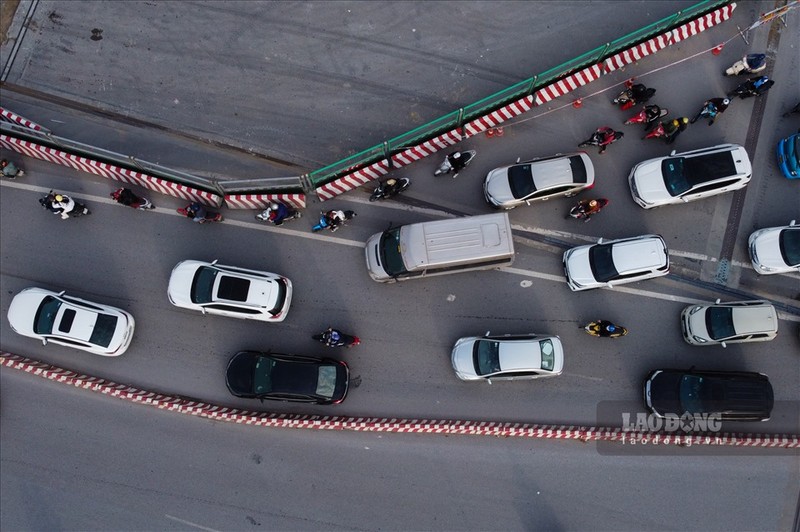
{"points": [[733, 395]]}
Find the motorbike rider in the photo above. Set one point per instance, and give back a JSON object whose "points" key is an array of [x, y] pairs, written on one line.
{"points": [[711, 108], [196, 212], [604, 328], [9, 169], [604, 136], [334, 218], [587, 208], [638, 93], [651, 114], [675, 127], [63, 204], [753, 87], [125, 196], [389, 187], [457, 162], [278, 212]]}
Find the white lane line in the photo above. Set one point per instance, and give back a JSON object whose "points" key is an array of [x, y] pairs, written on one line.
{"points": [[182, 521]]}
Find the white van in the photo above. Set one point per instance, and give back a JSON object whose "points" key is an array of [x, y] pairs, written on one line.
{"points": [[440, 247]]}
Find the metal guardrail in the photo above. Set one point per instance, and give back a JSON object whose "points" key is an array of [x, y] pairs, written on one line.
{"points": [[497, 100]]}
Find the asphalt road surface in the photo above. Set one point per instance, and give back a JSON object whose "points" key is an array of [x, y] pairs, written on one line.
{"points": [[121, 466]]}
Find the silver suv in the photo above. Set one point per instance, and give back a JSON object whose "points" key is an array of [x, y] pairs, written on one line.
{"points": [[616, 262], [728, 323]]}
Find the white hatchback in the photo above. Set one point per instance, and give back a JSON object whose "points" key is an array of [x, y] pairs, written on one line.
{"points": [[230, 291], [729, 323], [776, 249], [616, 262], [71, 322], [689, 176]]}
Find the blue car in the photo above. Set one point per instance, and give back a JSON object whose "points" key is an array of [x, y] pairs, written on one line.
{"points": [[789, 156]]}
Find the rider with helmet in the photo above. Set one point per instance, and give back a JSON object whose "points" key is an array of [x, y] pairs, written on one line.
{"points": [[278, 212], [711, 108], [674, 128], [63, 204], [196, 212], [457, 162], [334, 218]]}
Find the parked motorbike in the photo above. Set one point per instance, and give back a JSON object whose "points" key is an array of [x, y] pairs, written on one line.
{"points": [[277, 213], [390, 187], [749, 64], [195, 210], [604, 329], [447, 166], [633, 94], [125, 196], [333, 219], [63, 205], [334, 338], [587, 208], [648, 116], [10, 170], [752, 87]]}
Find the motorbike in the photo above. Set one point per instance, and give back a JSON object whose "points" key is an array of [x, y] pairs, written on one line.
{"points": [[632, 95], [390, 187], [333, 219], [650, 120], [446, 167], [125, 196], [288, 214], [752, 87], [604, 329], [10, 170], [63, 205], [333, 338], [584, 210], [749, 64], [598, 136], [208, 216]]}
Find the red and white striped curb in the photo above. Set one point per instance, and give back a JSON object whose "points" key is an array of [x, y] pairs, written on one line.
{"points": [[261, 201], [523, 105], [371, 424], [32, 149], [8, 116]]}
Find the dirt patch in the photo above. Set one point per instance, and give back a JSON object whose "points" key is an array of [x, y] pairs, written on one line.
{"points": [[6, 16]]}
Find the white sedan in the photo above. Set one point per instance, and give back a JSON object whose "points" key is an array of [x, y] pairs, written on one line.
{"points": [[71, 322], [776, 249], [507, 357], [690, 176], [230, 291]]}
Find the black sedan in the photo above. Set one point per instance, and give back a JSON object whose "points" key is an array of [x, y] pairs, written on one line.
{"points": [[302, 379], [733, 395]]}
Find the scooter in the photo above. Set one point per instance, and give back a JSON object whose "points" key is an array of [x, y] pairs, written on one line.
{"points": [[209, 216], [446, 167], [604, 329], [390, 187], [632, 95], [290, 213], [752, 87], [333, 338], [125, 196], [326, 220], [749, 64], [597, 138], [583, 210], [10, 170], [642, 117], [63, 205]]}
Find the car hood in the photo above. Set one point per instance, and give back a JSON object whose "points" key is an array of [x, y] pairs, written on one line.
{"points": [[648, 181], [664, 396], [497, 186], [577, 264], [462, 359], [766, 245], [180, 282], [23, 309]]}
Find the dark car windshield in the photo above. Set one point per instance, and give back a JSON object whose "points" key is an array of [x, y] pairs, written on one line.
{"points": [[262, 375], [520, 180], [326, 383], [46, 315], [789, 242], [389, 248], [578, 168], [719, 322], [486, 357], [202, 284], [602, 263], [104, 329], [694, 393], [548, 354], [684, 173]]}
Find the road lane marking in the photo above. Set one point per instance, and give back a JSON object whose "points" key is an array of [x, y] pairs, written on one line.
{"points": [[182, 521]]}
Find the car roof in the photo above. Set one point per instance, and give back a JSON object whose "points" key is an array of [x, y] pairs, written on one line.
{"points": [[638, 254], [519, 355], [754, 319], [552, 172]]}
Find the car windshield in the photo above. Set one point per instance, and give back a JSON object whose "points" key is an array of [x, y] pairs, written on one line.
{"points": [[601, 262], [389, 248], [719, 323], [202, 284], [486, 357], [684, 173], [674, 179], [789, 242], [262, 377], [326, 383], [548, 354], [520, 180], [46, 315], [693, 392], [578, 169], [104, 329]]}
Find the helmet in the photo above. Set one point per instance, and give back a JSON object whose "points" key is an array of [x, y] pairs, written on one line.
{"points": [[59, 197], [593, 203], [726, 101], [391, 182], [456, 155], [685, 120], [611, 328], [273, 205]]}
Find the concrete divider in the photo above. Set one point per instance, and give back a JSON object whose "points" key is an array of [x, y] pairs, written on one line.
{"points": [[192, 407]]}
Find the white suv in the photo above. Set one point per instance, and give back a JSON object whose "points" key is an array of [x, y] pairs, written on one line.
{"points": [[728, 323], [616, 262]]}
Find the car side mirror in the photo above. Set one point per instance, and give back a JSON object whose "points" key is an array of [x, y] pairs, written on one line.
{"points": [[62, 292], [673, 152], [214, 261], [517, 159], [610, 285], [487, 333], [600, 240], [44, 341], [717, 301], [489, 381], [793, 222], [203, 310], [684, 200], [724, 344]]}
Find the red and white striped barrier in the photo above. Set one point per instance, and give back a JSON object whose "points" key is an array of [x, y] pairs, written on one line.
{"points": [[371, 424], [261, 201], [8, 116], [38, 151]]}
